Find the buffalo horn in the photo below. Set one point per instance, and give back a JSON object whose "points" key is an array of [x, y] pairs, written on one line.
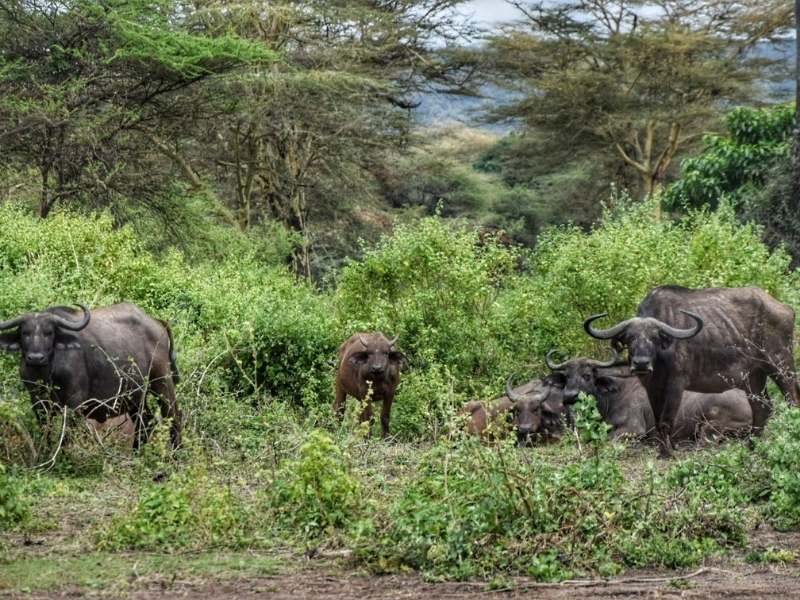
{"points": [[611, 363], [393, 340], [361, 339], [11, 323], [512, 395], [604, 334], [73, 325], [549, 360], [682, 334]]}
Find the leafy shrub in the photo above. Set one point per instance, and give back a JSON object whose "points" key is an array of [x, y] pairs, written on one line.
{"points": [[471, 510], [735, 165], [188, 510], [434, 285], [316, 492], [779, 451], [611, 269], [13, 508]]}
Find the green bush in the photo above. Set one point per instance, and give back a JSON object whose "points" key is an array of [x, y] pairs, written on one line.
{"points": [[14, 510], [611, 269], [188, 510], [779, 453], [434, 285], [474, 511], [316, 492], [738, 164]]}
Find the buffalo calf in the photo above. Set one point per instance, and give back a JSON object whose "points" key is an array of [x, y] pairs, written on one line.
{"points": [[369, 369]]}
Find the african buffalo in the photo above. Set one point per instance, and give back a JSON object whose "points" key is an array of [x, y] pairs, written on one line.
{"points": [[622, 402], [621, 399], [369, 368], [101, 363], [535, 408], [706, 340]]}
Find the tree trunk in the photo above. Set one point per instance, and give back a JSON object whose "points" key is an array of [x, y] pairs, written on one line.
{"points": [[796, 155]]}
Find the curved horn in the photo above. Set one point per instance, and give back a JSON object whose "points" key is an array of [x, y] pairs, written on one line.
{"points": [[73, 325], [361, 339], [604, 334], [683, 334], [11, 323], [393, 340], [611, 363], [549, 360], [512, 395]]}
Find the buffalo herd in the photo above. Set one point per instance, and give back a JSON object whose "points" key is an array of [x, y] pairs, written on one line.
{"points": [[691, 366], [696, 368]]}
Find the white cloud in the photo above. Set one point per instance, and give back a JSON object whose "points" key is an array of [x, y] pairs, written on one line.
{"points": [[490, 11]]}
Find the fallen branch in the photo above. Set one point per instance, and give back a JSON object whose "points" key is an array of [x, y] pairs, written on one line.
{"points": [[607, 582]]}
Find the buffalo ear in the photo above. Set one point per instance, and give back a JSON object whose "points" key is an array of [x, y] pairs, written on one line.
{"points": [[664, 340], [9, 341], [606, 385], [66, 339]]}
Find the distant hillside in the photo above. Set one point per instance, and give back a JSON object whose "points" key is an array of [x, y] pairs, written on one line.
{"points": [[448, 109]]}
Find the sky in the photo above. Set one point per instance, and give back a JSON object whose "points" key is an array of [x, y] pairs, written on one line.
{"points": [[490, 11]]}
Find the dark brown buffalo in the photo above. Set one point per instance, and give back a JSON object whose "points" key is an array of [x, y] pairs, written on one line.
{"points": [[709, 341], [621, 399], [101, 363], [622, 402], [369, 368], [535, 408]]}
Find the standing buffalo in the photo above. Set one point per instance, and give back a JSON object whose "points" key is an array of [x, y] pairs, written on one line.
{"points": [[739, 337], [622, 402], [101, 363], [535, 407], [369, 368]]}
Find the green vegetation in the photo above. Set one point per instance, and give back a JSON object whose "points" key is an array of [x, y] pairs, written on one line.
{"points": [[265, 467], [252, 173]]}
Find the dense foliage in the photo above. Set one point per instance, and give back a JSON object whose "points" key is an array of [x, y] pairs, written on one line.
{"points": [[257, 349], [737, 165]]}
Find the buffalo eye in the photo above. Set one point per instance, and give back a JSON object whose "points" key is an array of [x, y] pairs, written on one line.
{"points": [[360, 356], [396, 356]]}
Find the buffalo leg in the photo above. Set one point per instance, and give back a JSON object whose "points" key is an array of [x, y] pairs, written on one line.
{"points": [[760, 403], [142, 419], [339, 403], [786, 380], [163, 388], [666, 420], [386, 411]]}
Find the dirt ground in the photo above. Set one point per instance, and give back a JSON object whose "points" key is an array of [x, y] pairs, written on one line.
{"points": [[762, 582], [731, 576]]}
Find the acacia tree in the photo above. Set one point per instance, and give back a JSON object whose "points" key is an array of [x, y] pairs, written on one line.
{"points": [[632, 80], [88, 91], [307, 133]]}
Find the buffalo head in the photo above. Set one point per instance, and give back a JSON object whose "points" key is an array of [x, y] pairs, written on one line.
{"points": [[38, 335], [378, 357], [580, 375], [644, 337], [535, 413]]}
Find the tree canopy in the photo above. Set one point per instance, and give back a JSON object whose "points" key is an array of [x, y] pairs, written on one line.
{"points": [[635, 82]]}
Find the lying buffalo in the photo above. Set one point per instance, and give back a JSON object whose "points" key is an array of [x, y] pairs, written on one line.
{"points": [[101, 363], [535, 408], [709, 341], [622, 402], [621, 399], [369, 368]]}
